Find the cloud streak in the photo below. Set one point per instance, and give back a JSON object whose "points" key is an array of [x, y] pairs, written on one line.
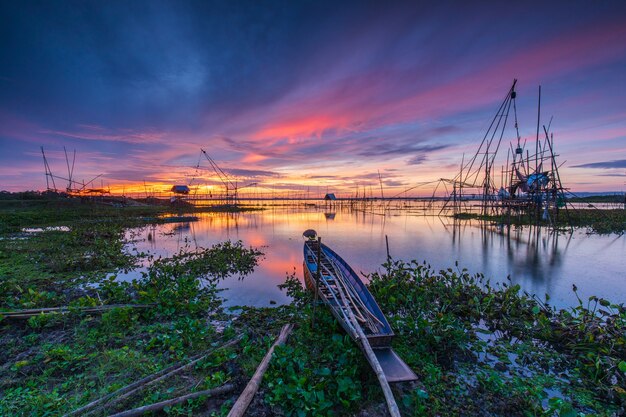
{"points": [[299, 92], [620, 163]]}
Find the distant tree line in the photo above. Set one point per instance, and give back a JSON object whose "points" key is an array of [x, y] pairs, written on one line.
{"points": [[608, 198], [32, 195]]}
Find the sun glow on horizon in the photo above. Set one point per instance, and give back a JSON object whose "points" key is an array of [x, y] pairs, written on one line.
{"points": [[310, 104]]}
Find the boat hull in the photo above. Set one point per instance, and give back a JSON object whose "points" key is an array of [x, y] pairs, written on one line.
{"points": [[394, 368], [376, 341]]}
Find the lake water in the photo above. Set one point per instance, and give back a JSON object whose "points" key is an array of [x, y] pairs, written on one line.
{"points": [[539, 260]]}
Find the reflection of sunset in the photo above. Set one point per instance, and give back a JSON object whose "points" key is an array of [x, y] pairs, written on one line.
{"points": [[256, 239], [278, 266], [360, 238]]}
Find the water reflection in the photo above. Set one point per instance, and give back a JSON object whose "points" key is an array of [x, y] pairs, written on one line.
{"points": [[330, 216], [541, 261]]}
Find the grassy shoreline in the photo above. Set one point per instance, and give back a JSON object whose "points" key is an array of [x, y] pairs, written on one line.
{"points": [[478, 349], [593, 220]]}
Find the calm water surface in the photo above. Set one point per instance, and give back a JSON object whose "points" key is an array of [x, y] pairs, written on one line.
{"points": [[537, 259]]}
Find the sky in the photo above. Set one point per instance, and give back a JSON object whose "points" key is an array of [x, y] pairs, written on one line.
{"points": [[304, 95]]}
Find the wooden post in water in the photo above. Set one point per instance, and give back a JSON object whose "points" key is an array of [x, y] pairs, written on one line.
{"points": [[387, 243]]}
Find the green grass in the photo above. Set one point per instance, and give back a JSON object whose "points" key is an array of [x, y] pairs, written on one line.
{"points": [[52, 363], [477, 349], [595, 221], [610, 198]]}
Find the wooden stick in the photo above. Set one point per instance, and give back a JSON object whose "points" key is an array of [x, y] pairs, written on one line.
{"points": [[178, 370], [23, 314], [159, 406], [244, 400], [387, 242], [130, 389], [384, 384], [100, 307]]}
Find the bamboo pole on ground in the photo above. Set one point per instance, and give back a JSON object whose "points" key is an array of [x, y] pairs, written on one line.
{"points": [[161, 405], [244, 400], [25, 314], [130, 389]]}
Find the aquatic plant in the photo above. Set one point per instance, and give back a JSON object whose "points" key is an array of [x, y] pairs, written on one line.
{"points": [[59, 361], [493, 343], [318, 373], [478, 349]]}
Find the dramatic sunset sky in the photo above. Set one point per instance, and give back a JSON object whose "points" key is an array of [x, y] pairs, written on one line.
{"points": [[297, 94]]}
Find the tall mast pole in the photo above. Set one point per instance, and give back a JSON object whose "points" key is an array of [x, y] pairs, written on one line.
{"points": [[537, 139], [45, 167], [537, 197]]}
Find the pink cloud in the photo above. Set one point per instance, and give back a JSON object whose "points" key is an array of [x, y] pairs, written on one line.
{"points": [[382, 97]]}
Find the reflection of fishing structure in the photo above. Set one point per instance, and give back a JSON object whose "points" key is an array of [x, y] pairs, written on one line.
{"points": [[152, 236], [230, 222], [532, 252], [185, 233], [530, 184]]}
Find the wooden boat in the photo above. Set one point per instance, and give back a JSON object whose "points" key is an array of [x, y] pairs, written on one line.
{"points": [[349, 300]]}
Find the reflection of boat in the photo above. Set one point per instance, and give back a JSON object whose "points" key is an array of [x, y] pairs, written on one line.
{"points": [[353, 306], [329, 216]]}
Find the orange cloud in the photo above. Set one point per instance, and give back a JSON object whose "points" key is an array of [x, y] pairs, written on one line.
{"points": [[308, 126], [253, 157]]}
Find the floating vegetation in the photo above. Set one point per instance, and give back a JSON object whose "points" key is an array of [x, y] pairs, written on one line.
{"points": [[535, 359], [478, 349], [92, 354], [45, 229]]}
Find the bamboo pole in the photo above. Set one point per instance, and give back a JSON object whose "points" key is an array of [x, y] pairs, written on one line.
{"points": [[387, 243], [161, 405], [24, 314], [244, 400], [130, 389]]}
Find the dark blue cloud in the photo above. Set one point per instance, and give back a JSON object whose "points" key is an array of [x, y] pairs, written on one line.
{"points": [[157, 63], [148, 81], [620, 163], [144, 63]]}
